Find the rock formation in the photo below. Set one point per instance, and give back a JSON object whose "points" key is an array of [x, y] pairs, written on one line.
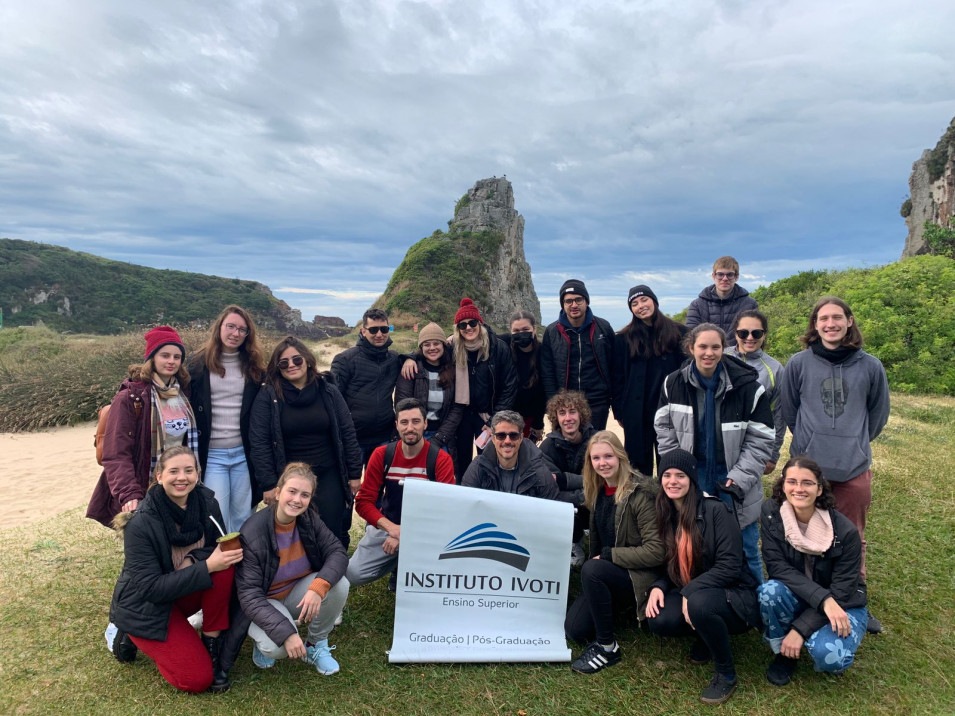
{"points": [[931, 193], [480, 256]]}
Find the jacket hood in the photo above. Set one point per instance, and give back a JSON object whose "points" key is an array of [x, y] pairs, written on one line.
{"points": [[563, 320]]}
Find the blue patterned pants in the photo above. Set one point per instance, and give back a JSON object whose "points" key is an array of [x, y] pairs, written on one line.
{"points": [[779, 607]]}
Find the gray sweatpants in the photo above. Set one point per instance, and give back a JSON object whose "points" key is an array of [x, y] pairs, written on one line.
{"points": [[370, 561]]}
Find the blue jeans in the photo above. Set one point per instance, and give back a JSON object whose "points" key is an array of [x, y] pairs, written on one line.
{"points": [[779, 607], [227, 474], [750, 541]]}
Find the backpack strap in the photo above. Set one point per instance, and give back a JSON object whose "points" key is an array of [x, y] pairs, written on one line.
{"points": [[389, 457], [432, 463]]}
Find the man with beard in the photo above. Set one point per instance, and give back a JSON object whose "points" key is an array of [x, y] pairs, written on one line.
{"points": [[412, 457]]}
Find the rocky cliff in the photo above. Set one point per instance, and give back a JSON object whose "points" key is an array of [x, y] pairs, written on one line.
{"points": [[480, 256], [931, 192]]}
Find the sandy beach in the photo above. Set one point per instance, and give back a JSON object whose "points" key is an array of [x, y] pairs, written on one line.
{"points": [[46, 473]]}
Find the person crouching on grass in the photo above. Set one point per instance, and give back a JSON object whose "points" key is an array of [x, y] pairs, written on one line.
{"points": [[173, 569], [293, 573]]}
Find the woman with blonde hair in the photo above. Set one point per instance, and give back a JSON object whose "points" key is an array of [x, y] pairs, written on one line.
{"points": [[625, 549], [225, 375]]}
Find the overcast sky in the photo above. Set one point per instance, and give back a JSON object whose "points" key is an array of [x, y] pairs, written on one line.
{"points": [[307, 145]]}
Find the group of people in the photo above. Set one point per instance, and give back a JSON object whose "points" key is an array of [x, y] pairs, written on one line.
{"points": [[702, 402]]}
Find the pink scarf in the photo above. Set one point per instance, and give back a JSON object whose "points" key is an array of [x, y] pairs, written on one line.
{"points": [[818, 535]]}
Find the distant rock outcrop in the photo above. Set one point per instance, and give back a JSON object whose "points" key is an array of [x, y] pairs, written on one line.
{"points": [[931, 192], [480, 256]]}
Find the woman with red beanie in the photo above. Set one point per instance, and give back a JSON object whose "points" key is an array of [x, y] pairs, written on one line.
{"points": [[150, 413]]}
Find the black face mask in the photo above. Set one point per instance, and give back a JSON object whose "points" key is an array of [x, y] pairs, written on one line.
{"points": [[523, 339]]}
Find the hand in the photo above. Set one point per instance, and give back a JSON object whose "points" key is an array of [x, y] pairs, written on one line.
{"points": [[409, 370], [770, 466], [310, 605], [792, 644], [729, 483], [390, 545], [270, 497], [130, 505], [220, 560], [838, 619], [686, 614], [536, 435], [295, 647], [354, 485], [655, 603]]}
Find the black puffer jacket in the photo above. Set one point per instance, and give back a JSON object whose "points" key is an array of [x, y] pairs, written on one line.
{"points": [[534, 477], [366, 375], [530, 401], [268, 446], [148, 584], [493, 383], [708, 307], [835, 573], [566, 459], [255, 573], [201, 400], [449, 417], [592, 375], [723, 565]]}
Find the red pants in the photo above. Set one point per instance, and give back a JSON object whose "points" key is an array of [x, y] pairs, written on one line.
{"points": [[853, 498], [182, 658]]}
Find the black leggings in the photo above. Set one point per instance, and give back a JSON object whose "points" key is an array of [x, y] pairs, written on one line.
{"points": [[607, 591], [713, 618]]}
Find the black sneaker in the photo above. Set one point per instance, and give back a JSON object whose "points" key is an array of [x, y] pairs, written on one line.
{"points": [[595, 657], [393, 582], [123, 648], [719, 690], [700, 653], [780, 671], [873, 626]]}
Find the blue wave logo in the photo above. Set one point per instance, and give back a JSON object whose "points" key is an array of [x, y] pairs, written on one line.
{"points": [[487, 541]]}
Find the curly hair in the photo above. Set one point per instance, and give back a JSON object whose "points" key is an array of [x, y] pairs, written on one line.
{"points": [[568, 399]]}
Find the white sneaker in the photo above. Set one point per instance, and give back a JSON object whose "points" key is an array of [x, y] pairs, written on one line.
{"points": [[338, 619], [195, 621], [577, 556], [110, 635]]}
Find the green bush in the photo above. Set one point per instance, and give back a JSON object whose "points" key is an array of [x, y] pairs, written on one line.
{"points": [[941, 239], [906, 209]]}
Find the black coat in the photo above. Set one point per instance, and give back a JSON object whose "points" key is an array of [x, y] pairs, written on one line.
{"points": [[835, 573], [530, 401], [534, 477], [366, 377], [148, 585], [255, 573], [449, 416], [637, 383], [201, 401], [723, 564], [268, 445], [566, 459], [492, 383], [597, 344]]}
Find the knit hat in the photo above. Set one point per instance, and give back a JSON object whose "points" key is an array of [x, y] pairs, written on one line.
{"points": [[642, 290], [575, 286], [160, 336], [467, 311], [431, 332], [679, 459]]}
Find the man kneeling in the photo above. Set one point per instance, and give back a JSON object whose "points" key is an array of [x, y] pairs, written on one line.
{"points": [[412, 457]]}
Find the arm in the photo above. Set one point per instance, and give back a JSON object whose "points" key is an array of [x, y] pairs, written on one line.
{"points": [[448, 428], [349, 438], [404, 388], [371, 489], [144, 566], [250, 576], [663, 424], [789, 393], [548, 373], [333, 555], [342, 369], [651, 552], [119, 444], [757, 444], [878, 402], [693, 315], [776, 406], [506, 376], [260, 441], [728, 546], [621, 364], [444, 469]]}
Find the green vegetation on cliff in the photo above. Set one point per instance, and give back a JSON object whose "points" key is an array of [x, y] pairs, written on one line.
{"points": [[905, 310], [80, 292], [939, 156], [436, 273]]}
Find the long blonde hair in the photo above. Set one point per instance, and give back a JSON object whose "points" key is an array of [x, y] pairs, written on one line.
{"points": [[461, 350], [593, 482]]}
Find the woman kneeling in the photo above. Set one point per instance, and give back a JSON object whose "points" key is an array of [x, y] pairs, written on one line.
{"points": [[293, 574], [815, 596], [707, 588], [173, 569], [625, 547]]}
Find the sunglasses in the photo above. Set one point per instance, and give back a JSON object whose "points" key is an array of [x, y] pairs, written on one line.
{"points": [[744, 334], [284, 363], [378, 329], [501, 437], [468, 324]]}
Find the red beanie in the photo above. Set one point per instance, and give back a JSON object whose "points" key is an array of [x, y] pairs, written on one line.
{"points": [[160, 336], [467, 311]]}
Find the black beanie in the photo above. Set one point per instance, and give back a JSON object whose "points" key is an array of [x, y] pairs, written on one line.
{"points": [[642, 290], [681, 460], [576, 287]]}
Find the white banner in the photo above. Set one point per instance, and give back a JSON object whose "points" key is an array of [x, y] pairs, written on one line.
{"points": [[482, 576]]}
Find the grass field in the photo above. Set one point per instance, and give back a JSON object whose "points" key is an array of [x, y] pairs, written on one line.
{"points": [[57, 578]]}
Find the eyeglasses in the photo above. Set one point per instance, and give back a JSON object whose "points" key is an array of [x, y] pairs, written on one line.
{"points": [[468, 324], [805, 484], [723, 275], [501, 437], [378, 329], [232, 328], [574, 301], [283, 364], [744, 334]]}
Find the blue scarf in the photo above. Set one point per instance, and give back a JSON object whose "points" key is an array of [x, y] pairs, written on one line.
{"points": [[707, 426]]}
